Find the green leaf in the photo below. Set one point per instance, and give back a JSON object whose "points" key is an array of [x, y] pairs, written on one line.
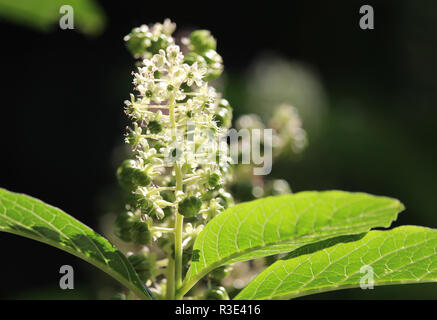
{"points": [[284, 223], [32, 218], [44, 14], [403, 255]]}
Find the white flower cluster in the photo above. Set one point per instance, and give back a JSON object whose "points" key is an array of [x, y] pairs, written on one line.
{"points": [[289, 132], [174, 114]]}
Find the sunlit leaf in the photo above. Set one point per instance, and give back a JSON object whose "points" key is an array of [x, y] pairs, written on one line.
{"points": [[29, 217], [406, 254], [284, 223]]}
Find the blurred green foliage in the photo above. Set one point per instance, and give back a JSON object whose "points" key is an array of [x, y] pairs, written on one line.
{"points": [[43, 15]]}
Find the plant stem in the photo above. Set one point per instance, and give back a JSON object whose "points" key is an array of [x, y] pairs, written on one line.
{"points": [[170, 291], [174, 275], [178, 233]]}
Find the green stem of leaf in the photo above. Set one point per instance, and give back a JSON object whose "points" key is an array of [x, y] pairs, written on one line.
{"points": [[178, 232], [174, 279]]}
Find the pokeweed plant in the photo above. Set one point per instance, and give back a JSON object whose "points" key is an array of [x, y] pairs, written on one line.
{"points": [[185, 222]]}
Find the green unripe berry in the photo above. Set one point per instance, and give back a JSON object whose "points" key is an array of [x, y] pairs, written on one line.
{"points": [[217, 293], [213, 180], [118, 296], [220, 273], [190, 206], [211, 57], [214, 62], [158, 44], [141, 265], [192, 57], [125, 220], [140, 233], [136, 43], [202, 40], [168, 212], [130, 177], [123, 224], [124, 234], [168, 196], [154, 127], [139, 43]]}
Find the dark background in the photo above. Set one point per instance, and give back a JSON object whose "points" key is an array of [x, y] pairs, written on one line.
{"points": [[62, 97]]}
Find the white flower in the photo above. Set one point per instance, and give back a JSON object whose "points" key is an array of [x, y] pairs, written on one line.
{"points": [[195, 74], [148, 68], [174, 55], [159, 60]]}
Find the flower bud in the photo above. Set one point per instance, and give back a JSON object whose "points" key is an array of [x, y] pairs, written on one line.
{"points": [[190, 206], [217, 293]]}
